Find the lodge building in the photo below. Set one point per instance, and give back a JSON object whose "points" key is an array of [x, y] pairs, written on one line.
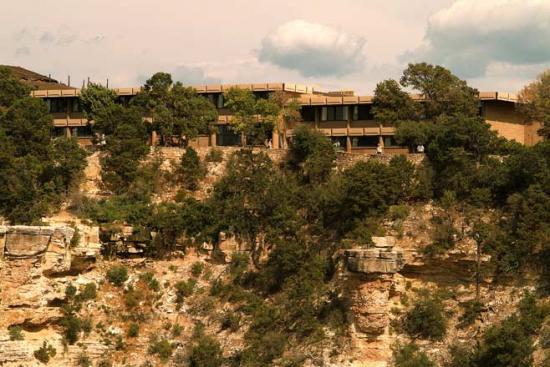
{"points": [[342, 116]]}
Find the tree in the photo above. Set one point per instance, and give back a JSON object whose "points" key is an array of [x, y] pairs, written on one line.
{"points": [[253, 118], [311, 154], [535, 102], [206, 353], [124, 149], [426, 319], [191, 169], [177, 111], [28, 124], [11, 89], [444, 93], [69, 161], [97, 101], [391, 104], [410, 355]]}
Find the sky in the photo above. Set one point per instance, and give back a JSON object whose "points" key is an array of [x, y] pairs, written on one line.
{"points": [[345, 44]]}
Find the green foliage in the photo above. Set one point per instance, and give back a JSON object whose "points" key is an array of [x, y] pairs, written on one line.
{"points": [[426, 319], [45, 352], [391, 104], [197, 268], [311, 154], [191, 170], [132, 298], [535, 99], [96, 101], [16, 333], [160, 347], [124, 149], [472, 310], [230, 321], [117, 275], [35, 171], [178, 112], [253, 118], [89, 292], [72, 326], [84, 360], [133, 330], [410, 355], [214, 155], [11, 89], [184, 289], [445, 93], [206, 352]]}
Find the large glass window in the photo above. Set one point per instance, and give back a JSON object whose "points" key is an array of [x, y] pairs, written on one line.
{"points": [[362, 112], [334, 113], [56, 105], [389, 141], [364, 141], [307, 113], [227, 137]]}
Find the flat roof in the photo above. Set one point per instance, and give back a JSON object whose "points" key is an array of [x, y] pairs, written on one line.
{"points": [[308, 95]]}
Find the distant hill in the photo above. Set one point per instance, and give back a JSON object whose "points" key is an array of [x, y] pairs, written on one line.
{"points": [[35, 80]]}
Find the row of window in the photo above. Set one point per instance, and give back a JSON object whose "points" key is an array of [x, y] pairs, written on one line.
{"points": [[337, 113]]}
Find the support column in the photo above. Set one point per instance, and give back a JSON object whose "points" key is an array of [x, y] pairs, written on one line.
{"points": [[68, 132], [348, 126], [275, 139], [154, 138], [213, 141]]}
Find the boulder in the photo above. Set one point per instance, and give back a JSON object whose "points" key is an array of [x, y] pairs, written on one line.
{"points": [[373, 260]]}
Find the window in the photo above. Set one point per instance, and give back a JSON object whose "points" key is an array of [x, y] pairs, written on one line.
{"points": [[227, 137], [389, 141], [56, 105], [339, 142], [362, 112], [76, 106], [334, 113], [307, 113], [220, 102], [364, 141]]}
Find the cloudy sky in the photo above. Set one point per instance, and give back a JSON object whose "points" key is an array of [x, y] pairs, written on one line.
{"points": [[344, 44]]}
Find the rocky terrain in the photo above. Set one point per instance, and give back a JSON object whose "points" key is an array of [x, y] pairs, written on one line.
{"points": [[38, 264]]}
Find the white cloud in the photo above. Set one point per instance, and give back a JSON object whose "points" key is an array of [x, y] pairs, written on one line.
{"points": [[471, 35], [313, 49]]}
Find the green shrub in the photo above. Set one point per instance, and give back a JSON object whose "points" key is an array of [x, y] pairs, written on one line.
{"points": [[71, 327], [545, 333], [132, 298], [89, 292], [105, 363], [16, 333], [197, 268], [409, 355], [84, 360], [184, 289], [45, 352], [191, 169], [215, 155], [160, 347], [472, 309], [176, 330], [206, 353], [117, 275], [399, 212], [150, 280], [87, 325], [231, 321], [426, 319], [133, 330]]}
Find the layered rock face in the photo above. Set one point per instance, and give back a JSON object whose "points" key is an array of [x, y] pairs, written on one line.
{"points": [[29, 256]]}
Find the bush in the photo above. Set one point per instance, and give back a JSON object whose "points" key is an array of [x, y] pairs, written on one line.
{"points": [[472, 309], [214, 155], [197, 268], [231, 321], [89, 292], [150, 280], [16, 333], [206, 353], [133, 330], [176, 330], [409, 355], [84, 360], [184, 289], [105, 363], [72, 326], [45, 352], [191, 169], [132, 298], [162, 348], [426, 318], [117, 275]]}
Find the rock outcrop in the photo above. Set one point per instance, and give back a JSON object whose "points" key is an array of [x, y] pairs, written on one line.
{"points": [[380, 259]]}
